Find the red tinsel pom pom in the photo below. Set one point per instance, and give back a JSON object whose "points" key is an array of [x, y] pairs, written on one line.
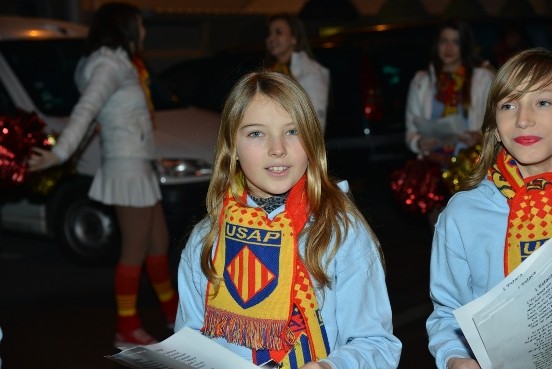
{"points": [[18, 134], [418, 186]]}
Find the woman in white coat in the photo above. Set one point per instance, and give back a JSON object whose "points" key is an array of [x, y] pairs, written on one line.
{"points": [[289, 53], [452, 90], [114, 92]]}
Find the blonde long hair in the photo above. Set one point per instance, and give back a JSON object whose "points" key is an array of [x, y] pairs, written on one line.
{"points": [[333, 210], [527, 69]]}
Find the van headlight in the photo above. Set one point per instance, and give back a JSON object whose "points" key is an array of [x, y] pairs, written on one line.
{"points": [[182, 170]]}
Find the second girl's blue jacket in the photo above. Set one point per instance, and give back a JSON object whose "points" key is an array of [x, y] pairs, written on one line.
{"points": [[467, 260]]}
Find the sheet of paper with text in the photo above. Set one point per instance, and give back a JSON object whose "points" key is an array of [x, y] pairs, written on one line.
{"points": [[510, 327], [186, 349]]}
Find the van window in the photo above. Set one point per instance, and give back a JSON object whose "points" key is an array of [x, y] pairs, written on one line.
{"points": [[46, 69]]}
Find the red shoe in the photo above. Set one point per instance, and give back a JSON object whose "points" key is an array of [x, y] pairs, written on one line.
{"points": [[137, 337]]}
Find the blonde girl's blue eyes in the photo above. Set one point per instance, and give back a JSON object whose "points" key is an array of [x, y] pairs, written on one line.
{"points": [[254, 134], [543, 103]]}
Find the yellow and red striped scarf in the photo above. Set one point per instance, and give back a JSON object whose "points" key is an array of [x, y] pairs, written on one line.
{"points": [[530, 216], [449, 89], [144, 77], [266, 301]]}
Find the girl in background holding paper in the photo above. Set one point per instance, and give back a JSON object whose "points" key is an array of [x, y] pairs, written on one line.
{"points": [[444, 113], [452, 91], [503, 216], [284, 269]]}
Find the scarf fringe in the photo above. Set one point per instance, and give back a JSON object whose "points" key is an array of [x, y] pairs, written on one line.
{"points": [[258, 334]]}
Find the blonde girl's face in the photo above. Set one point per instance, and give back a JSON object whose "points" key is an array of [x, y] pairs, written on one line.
{"points": [[280, 42], [449, 49], [269, 148], [524, 126]]}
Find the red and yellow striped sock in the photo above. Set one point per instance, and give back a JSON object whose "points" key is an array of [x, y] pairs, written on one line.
{"points": [[157, 267], [127, 282]]}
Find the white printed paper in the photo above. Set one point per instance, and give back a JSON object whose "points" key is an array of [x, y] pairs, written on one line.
{"points": [[446, 129], [186, 349], [510, 327]]}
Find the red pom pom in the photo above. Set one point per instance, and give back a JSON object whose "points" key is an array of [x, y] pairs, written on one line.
{"points": [[418, 186], [18, 134]]}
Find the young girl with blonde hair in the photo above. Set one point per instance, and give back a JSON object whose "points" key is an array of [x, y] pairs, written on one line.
{"points": [[284, 269], [503, 216]]}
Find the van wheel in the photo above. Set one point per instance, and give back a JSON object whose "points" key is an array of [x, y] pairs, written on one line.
{"points": [[87, 230]]}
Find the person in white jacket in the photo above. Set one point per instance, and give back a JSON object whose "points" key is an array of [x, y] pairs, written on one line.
{"points": [[289, 53], [452, 90], [446, 102], [114, 92]]}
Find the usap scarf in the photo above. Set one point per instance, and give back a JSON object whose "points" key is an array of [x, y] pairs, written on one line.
{"points": [[266, 300]]}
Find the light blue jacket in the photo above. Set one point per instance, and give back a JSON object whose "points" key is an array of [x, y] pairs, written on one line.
{"points": [[467, 260], [355, 310]]}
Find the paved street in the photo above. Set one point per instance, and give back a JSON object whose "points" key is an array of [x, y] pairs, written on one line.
{"points": [[56, 314]]}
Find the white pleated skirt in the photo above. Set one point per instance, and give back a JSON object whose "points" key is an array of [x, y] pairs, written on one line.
{"points": [[126, 182]]}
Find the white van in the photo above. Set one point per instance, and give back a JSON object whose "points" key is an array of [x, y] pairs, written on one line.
{"points": [[37, 61]]}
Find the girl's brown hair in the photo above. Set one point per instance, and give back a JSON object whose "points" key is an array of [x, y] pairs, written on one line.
{"points": [[526, 71], [114, 25], [331, 208]]}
